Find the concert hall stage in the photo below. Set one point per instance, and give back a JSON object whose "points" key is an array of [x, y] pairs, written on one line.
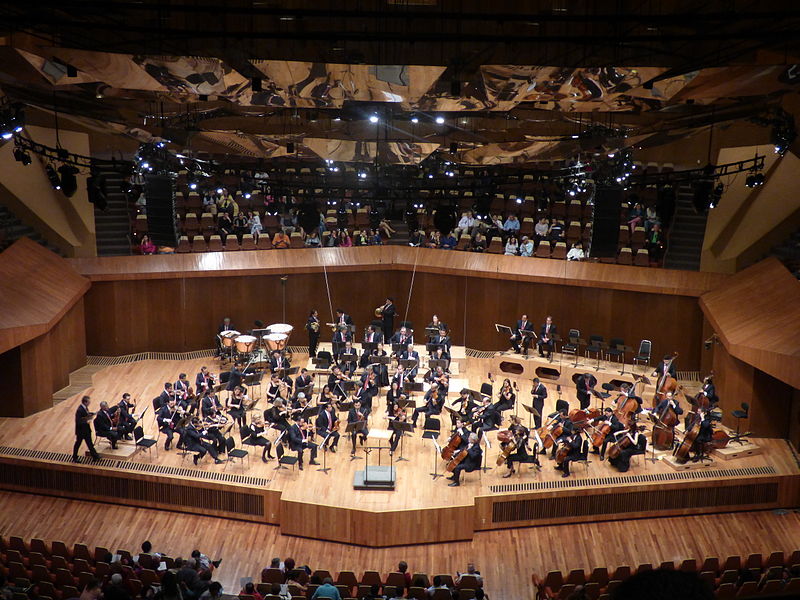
{"points": [[35, 457]]}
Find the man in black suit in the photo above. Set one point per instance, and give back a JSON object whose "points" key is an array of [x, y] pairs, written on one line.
{"points": [[325, 421], [442, 339], [194, 442], [434, 402], [668, 365], [578, 448], [367, 391], [302, 382], [103, 427], [546, 337], [225, 326], [164, 397], [340, 337], [389, 311], [83, 432], [522, 336], [203, 380], [372, 336], [472, 462], [583, 385], [403, 337], [342, 318], [181, 387], [489, 417], [539, 393], [348, 358], [126, 421], [313, 327], [235, 377], [167, 419], [354, 416], [299, 440], [411, 354], [278, 362]]}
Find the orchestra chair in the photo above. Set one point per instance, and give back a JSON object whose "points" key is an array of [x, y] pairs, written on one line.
{"points": [[595, 346], [285, 459], [233, 453], [616, 348], [431, 428], [645, 350], [144, 442], [571, 347], [741, 414]]}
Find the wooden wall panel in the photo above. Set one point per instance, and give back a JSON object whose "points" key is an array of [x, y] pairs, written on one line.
{"points": [[67, 346], [182, 314]]}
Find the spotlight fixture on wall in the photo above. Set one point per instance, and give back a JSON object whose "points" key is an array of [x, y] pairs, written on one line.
{"points": [[21, 156], [373, 118], [55, 181], [754, 180], [439, 120], [12, 118], [414, 119], [69, 181]]}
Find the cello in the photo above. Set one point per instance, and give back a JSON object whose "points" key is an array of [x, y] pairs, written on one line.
{"points": [[550, 433], [664, 428], [681, 453], [452, 446]]}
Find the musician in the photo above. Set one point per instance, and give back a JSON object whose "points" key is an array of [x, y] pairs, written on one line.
{"points": [[336, 382], [273, 387], [577, 448], [546, 337], [441, 354], [381, 370], [303, 381], [194, 442], [539, 395], [434, 403], [225, 326], [607, 418], [487, 417], [400, 376], [326, 422], [348, 358], [521, 453], [212, 434], [340, 337], [392, 400], [299, 436], [167, 419], [83, 431], [637, 444], [403, 337], [464, 406], [103, 427], [704, 436], [236, 406], [371, 336], [669, 401], [440, 377], [312, 327], [709, 390], [126, 422], [410, 354], [235, 377], [203, 380], [326, 397], [277, 414], [506, 396], [560, 418], [437, 324], [210, 406], [164, 397], [389, 311], [367, 391], [181, 387], [472, 462], [584, 385], [523, 334], [354, 416], [278, 362], [397, 434], [626, 390], [256, 435], [666, 365]]}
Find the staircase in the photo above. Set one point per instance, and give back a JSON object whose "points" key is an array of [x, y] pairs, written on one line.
{"points": [[112, 225], [400, 238], [12, 229], [686, 233]]}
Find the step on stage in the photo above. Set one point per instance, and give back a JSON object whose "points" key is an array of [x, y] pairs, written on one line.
{"points": [[35, 456]]}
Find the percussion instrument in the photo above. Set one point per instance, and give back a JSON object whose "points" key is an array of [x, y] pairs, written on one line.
{"points": [[228, 337], [275, 341], [281, 328], [245, 344]]}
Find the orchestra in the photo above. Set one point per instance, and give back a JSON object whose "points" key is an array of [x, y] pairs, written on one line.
{"points": [[301, 415]]}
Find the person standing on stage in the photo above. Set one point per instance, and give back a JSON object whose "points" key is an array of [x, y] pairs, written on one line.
{"points": [[313, 326], [83, 431], [389, 311], [583, 387]]}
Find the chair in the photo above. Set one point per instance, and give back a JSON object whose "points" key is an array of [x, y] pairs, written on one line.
{"points": [[142, 442], [642, 258], [40, 546], [543, 250], [495, 246], [395, 579], [296, 240], [576, 577], [248, 242], [191, 225], [625, 257], [215, 244], [199, 244], [775, 559], [468, 582], [233, 452], [620, 574], [272, 576], [571, 347], [616, 348], [442, 594], [595, 346], [421, 576], [17, 543], [371, 578], [347, 579], [231, 243], [637, 238], [773, 587], [140, 225], [432, 428], [599, 576], [726, 591], [560, 251], [207, 223], [729, 576], [418, 593], [645, 351], [748, 589], [743, 413]]}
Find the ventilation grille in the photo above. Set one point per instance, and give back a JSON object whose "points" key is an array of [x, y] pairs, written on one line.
{"points": [[647, 478], [121, 488], [647, 502], [472, 353], [137, 467], [108, 361], [688, 375]]}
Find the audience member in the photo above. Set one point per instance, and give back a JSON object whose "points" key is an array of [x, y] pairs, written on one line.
{"points": [[91, 590], [465, 224], [280, 240], [327, 590], [254, 222], [478, 243], [511, 226], [471, 570], [541, 230], [438, 584], [214, 591], [417, 238], [312, 240], [250, 590], [576, 252], [224, 225], [147, 246], [635, 216], [526, 248], [402, 567], [449, 242], [512, 246]]}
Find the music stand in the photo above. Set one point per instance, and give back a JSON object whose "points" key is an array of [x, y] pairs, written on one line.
{"points": [[553, 339], [325, 468], [410, 386], [532, 412], [601, 346], [580, 342], [398, 348], [431, 332], [353, 429], [401, 427], [369, 346], [407, 403], [656, 421], [487, 446], [409, 364], [437, 452], [437, 362]]}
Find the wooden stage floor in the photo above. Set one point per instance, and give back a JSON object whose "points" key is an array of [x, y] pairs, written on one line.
{"points": [[35, 455]]}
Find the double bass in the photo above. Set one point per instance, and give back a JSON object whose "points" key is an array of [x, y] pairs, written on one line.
{"points": [[664, 428], [666, 383], [681, 453]]}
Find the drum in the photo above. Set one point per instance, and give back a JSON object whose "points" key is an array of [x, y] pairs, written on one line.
{"points": [[275, 341], [281, 328], [228, 337], [245, 344]]}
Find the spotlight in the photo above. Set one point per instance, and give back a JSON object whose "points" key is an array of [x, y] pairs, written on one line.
{"points": [[362, 175], [415, 119], [439, 119], [519, 200], [193, 185], [754, 180], [69, 183], [55, 181], [21, 156], [716, 195], [7, 135], [219, 191], [373, 118]]}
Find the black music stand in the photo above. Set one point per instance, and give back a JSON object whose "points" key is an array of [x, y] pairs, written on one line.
{"points": [[624, 349], [506, 330], [433, 363], [402, 428], [398, 348], [532, 412], [579, 343], [369, 346], [437, 452], [601, 346], [325, 468], [553, 339], [409, 364], [409, 386], [487, 447], [355, 428], [431, 332], [407, 403]]}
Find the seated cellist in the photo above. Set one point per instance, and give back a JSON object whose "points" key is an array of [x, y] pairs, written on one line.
{"points": [[615, 425], [521, 451]]}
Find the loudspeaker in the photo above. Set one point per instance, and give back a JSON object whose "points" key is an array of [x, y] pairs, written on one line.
{"points": [[159, 192], [605, 222]]}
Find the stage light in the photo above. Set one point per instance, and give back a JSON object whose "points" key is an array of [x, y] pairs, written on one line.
{"points": [[755, 180], [415, 119], [193, 185], [373, 118], [69, 183], [362, 175], [716, 195], [21, 156], [145, 165], [7, 135], [519, 200], [439, 120], [219, 191], [55, 181]]}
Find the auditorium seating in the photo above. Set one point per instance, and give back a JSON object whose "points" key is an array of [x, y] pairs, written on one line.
{"points": [[752, 576]]}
